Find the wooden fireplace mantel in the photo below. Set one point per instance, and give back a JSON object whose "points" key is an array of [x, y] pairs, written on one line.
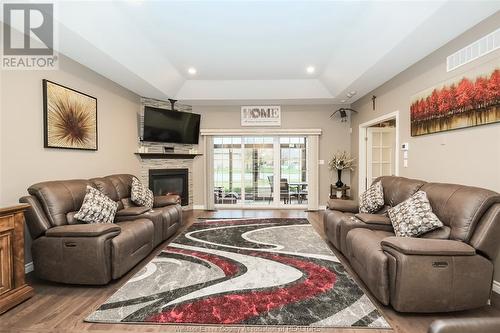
{"points": [[167, 155]]}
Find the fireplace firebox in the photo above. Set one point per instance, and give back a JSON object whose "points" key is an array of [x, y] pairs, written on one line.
{"points": [[164, 181]]}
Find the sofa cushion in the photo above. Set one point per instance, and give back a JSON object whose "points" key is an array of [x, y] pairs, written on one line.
{"points": [[116, 187], [83, 230], [398, 189], [350, 206], [460, 207], [57, 198], [352, 223], [166, 200], [439, 233], [122, 184], [132, 245], [428, 247], [70, 217], [414, 217], [332, 221], [141, 195], [365, 254], [372, 200], [132, 211], [106, 186], [175, 217], [373, 218], [96, 208]]}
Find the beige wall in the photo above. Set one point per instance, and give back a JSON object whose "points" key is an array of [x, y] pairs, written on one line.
{"points": [[335, 137], [24, 161], [467, 156]]}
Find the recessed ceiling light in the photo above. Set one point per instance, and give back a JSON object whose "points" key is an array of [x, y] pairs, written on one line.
{"points": [[353, 92], [342, 101], [310, 69], [192, 70]]}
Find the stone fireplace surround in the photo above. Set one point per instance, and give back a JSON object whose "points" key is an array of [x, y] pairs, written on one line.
{"points": [[167, 163]]}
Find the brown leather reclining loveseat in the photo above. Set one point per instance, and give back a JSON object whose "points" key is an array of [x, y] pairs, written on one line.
{"points": [[65, 250], [448, 269], [465, 325]]}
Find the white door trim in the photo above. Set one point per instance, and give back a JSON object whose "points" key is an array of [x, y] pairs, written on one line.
{"points": [[362, 147], [260, 131], [209, 173], [312, 158]]}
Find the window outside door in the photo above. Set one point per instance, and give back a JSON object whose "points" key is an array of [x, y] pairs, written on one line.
{"points": [[245, 169]]}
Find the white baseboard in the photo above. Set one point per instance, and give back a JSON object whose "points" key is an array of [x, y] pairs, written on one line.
{"points": [[28, 268], [322, 207], [496, 287], [199, 207]]}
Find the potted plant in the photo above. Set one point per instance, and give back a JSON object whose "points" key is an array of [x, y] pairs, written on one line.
{"points": [[340, 161]]}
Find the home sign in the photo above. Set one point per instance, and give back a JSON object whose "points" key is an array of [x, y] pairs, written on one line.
{"points": [[261, 115]]}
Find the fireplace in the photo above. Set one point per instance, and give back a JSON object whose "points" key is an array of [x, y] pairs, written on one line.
{"points": [[163, 181]]}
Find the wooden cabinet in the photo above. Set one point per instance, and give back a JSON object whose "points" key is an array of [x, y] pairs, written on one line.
{"points": [[13, 288]]}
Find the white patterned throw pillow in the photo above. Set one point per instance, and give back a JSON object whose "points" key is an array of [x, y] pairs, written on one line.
{"points": [[414, 217], [141, 195], [96, 207], [372, 200]]}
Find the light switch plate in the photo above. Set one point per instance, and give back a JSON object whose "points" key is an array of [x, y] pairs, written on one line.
{"points": [[321, 162]]}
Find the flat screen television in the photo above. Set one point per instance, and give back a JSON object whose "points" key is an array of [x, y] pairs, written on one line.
{"points": [[161, 125]]}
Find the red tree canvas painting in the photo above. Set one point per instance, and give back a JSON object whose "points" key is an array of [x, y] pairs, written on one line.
{"points": [[465, 102]]}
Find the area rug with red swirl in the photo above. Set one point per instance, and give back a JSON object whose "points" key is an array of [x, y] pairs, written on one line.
{"points": [[275, 271]]}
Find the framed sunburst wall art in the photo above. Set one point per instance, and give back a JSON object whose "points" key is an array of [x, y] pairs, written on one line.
{"points": [[70, 118]]}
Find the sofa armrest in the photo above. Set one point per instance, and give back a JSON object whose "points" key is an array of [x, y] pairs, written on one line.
{"points": [[166, 200], [132, 211], [346, 206], [427, 247], [465, 325], [374, 219], [36, 219], [83, 230]]}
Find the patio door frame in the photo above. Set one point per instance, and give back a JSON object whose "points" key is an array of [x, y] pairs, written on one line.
{"points": [[312, 156], [363, 177]]}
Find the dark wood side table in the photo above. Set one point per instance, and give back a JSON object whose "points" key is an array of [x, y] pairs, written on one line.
{"points": [[343, 189], [13, 288]]}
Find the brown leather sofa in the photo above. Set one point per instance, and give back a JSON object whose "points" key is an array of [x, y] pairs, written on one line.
{"points": [[468, 325], [448, 269], [67, 251]]}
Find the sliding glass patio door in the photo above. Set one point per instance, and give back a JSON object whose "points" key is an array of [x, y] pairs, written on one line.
{"points": [[293, 169], [260, 171]]}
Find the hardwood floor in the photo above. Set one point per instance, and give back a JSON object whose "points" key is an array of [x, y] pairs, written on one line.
{"points": [[57, 308]]}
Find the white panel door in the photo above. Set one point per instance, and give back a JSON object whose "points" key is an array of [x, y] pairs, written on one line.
{"points": [[380, 152]]}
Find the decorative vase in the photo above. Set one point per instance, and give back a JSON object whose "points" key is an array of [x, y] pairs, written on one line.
{"points": [[339, 181]]}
